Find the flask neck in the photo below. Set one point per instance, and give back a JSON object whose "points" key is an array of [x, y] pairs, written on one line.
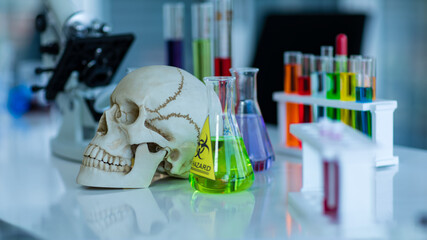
{"points": [[220, 94], [246, 83]]}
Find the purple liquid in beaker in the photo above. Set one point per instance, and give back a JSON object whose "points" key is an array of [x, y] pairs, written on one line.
{"points": [[257, 142]]}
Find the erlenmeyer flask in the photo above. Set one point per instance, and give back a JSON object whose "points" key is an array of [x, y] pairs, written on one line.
{"points": [[249, 119], [221, 163]]}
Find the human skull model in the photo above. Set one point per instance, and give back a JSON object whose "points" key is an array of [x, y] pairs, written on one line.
{"points": [[154, 121]]}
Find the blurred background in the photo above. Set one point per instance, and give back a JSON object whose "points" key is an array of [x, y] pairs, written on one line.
{"points": [[395, 31]]}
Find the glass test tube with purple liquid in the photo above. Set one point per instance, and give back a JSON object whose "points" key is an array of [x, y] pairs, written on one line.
{"points": [[249, 119], [173, 22]]}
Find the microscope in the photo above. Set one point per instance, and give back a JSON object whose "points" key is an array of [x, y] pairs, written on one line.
{"points": [[80, 58]]}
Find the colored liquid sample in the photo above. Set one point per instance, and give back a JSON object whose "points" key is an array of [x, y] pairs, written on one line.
{"points": [[318, 84], [363, 122], [374, 88], [364, 94], [292, 116], [333, 86], [233, 170], [256, 140], [331, 189], [333, 113], [202, 58], [175, 53], [346, 116], [348, 87], [222, 66], [305, 114], [292, 73], [304, 85], [318, 89]]}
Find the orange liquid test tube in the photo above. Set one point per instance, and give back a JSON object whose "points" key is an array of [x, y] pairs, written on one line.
{"points": [[292, 69]]}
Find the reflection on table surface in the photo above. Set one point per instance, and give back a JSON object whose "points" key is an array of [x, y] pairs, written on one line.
{"points": [[39, 197]]}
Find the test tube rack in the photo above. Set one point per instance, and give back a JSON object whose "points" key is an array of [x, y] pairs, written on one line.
{"points": [[382, 122], [355, 156]]}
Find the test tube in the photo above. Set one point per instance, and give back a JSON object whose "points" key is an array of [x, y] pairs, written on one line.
{"points": [[202, 34], [373, 77], [364, 94], [173, 22], [326, 51], [222, 25], [333, 85], [348, 88], [292, 69], [304, 88], [322, 65], [364, 83]]}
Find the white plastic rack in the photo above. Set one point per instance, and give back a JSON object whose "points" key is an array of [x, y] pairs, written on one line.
{"points": [[382, 122]]}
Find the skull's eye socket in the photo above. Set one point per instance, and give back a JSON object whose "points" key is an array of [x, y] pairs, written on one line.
{"points": [[102, 127], [153, 147], [127, 113]]}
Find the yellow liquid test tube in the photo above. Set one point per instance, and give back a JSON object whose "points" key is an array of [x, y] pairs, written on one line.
{"points": [[348, 88]]}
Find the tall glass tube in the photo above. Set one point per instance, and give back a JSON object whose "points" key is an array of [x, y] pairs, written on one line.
{"points": [[333, 86], [348, 88], [292, 69], [173, 23], [322, 66], [326, 51], [202, 16], [222, 25], [304, 88], [221, 163], [250, 120]]}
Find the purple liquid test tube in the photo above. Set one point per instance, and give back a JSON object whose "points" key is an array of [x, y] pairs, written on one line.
{"points": [[173, 22]]}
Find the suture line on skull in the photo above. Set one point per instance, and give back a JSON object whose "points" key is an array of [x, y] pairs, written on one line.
{"points": [[178, 115], [171, 98], [152, 127]]}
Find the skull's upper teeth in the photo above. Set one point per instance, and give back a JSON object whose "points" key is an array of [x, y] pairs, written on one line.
{"points": [[97, 157]]}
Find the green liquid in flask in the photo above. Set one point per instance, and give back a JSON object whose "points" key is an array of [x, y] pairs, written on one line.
{"points": [[233, 169]]}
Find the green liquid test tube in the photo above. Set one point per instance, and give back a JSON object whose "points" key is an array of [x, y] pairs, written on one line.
{"points": [[202, 58], [202, 33]]}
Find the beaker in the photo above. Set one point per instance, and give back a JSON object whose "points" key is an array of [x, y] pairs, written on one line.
{"points": [[249, 119], [221, 163]]}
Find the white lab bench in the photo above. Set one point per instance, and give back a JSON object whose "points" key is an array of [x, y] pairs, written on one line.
{"points": [[39, 197]]}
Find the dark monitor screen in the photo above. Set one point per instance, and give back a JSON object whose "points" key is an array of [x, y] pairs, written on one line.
{"points": [[297, 32]]}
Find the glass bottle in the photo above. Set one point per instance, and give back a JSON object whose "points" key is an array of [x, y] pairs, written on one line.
{"points": [[221, 163], [249, 119]]}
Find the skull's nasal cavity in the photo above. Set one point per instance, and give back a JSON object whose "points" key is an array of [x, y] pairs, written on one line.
{"points": [[102, 126]]}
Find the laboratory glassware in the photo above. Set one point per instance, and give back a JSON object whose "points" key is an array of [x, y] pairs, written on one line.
{"points": [[173, 23], [304, 88], [292, 68], [202, 16], [364, 94], [250, 120], [333, 86], [222, 45], [326, 51], [221, 163], [348, 88], [322, 65]]}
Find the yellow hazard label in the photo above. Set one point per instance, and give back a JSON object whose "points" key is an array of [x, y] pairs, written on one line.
{"points": [[203, 162]]}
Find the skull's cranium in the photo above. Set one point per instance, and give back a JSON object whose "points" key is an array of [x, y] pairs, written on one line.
{"points": [[153, 123]]}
